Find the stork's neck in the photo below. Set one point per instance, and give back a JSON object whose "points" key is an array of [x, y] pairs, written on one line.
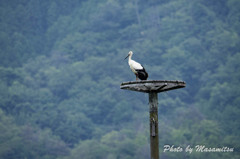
{"points": [[129, 58]]}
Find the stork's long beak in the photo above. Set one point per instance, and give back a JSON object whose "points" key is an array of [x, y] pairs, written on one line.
{"points": [[126, 57]]}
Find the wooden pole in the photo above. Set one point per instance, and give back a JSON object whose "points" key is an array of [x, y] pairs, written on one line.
{"points": [[153, 110], [153, 87]]}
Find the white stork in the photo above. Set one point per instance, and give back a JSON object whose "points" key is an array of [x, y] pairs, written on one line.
{"points": [[137, 68]]}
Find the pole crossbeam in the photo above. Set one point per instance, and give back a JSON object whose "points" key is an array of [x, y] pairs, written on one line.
{"points": [[153, 87]]}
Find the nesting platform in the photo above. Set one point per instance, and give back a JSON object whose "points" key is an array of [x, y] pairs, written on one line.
{"points": [[150, 86]]}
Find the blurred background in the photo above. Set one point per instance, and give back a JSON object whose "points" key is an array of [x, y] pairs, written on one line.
{"points": [[62, 63]]}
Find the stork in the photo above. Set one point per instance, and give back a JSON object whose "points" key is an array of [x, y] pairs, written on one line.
{"points": [[137, 68]]}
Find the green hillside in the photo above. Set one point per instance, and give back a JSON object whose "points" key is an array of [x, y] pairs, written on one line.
{"points": [[62, 63]]}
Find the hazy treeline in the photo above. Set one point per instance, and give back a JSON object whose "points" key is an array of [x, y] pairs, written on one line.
{"points": [[62, 63]]}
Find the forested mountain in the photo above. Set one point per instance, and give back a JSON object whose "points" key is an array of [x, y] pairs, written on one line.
{"points": [[62, 63]]}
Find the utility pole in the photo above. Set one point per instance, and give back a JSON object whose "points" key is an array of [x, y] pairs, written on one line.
{"points": [[153, 87]]}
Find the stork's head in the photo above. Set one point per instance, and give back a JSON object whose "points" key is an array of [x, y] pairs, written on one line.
{"points": [[129, 54]]}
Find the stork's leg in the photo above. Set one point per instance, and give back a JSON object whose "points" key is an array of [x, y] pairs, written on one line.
{"points": [[136, 77]]}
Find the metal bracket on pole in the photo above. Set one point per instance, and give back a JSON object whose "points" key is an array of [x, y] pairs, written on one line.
{"points": [[153, 125]]}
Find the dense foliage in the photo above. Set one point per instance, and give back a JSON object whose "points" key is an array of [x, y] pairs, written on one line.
{"points": [[61, 65]]}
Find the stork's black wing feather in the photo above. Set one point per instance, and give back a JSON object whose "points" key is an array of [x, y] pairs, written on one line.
{"points": [[142, 74]]}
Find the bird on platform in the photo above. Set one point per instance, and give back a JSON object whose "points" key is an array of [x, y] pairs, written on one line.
{"points": [[137, 68]]}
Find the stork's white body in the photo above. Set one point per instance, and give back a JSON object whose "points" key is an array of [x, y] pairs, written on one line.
{"points": [[134, 65]]}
